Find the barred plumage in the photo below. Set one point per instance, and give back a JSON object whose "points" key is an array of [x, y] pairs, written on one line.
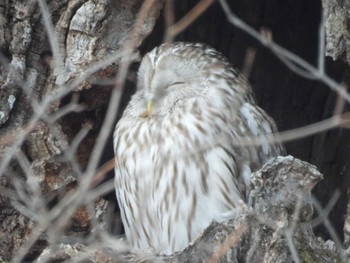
{"points": [[179, 160]]}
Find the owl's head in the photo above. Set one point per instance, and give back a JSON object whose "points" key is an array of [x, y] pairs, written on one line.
{"points": [[171, 74], [167, 78]]}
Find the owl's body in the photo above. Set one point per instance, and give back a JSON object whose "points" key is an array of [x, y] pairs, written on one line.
{"points": [[181, 164]]}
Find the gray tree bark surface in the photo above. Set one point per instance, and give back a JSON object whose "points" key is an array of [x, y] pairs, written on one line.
{"points": [[337, 19], [35, 134]]}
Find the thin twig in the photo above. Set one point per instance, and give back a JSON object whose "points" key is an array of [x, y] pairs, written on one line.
{"points": [[51, 35], [231, 241], [187, 20]]}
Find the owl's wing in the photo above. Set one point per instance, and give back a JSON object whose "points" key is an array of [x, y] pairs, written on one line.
{"points": [[259, 124], [255, 123]]}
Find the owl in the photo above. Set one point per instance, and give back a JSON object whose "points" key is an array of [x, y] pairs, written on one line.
{"points": [[181, 160]]}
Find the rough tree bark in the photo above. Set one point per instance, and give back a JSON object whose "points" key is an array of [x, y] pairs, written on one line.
{"points": [[54, 97], [337, 18], [37, 83]]}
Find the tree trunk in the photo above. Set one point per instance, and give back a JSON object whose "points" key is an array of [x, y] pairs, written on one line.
{"points": [[52, 105]]}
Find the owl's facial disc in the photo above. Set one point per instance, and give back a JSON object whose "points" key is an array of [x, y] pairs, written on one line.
{"points": [[166, 81]]}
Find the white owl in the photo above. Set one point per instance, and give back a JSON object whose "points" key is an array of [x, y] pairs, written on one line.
{"points": [[180, 162]]}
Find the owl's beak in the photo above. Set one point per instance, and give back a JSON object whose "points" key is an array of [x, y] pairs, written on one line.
{"points": [[150, 106]]}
